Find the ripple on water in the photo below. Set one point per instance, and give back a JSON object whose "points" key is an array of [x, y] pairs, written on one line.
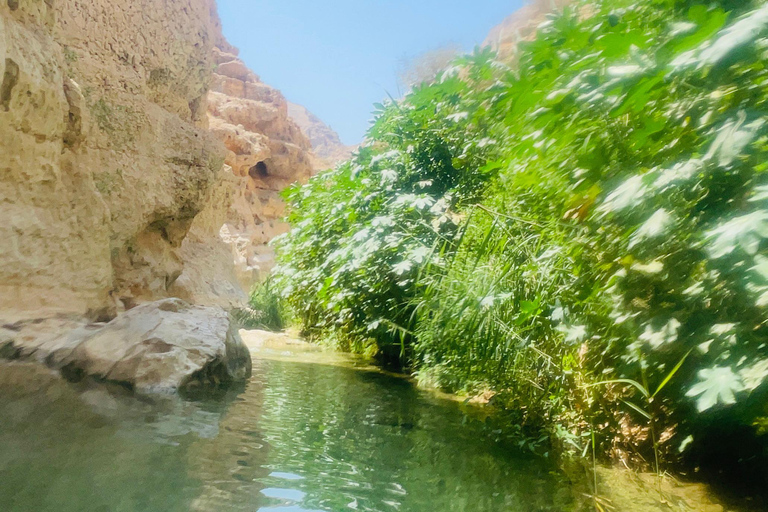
{"points": [[287, 508], [283, 494], [285, 476], [299, 437]]}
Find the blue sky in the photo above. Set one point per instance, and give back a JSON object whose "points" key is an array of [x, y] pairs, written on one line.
{"points": [[338, 57]]}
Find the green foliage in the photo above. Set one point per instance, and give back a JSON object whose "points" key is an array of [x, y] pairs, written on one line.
{"points": [[361, 232], [106, 182], [265, 309], [599, 212], [70, 56]]}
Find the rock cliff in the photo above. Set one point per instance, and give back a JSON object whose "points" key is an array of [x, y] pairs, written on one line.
{"points": [[105, 156], [265, 152], [113, 191], [327, 148], [520, 26], [139, 159]]}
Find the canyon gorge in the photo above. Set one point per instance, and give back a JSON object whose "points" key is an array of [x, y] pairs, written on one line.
{"points": [[140, 160]]}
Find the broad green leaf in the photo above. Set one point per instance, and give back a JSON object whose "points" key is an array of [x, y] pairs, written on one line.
{"points": [[716, 385], [745, 231], [654, 267], [761, 194], [744, 31], [707, 23], [629, 193], [402, 267], [732, 138], [656, 225], [573, 333], [761, 266], [528, 307], [753, 376], [667, 334]]}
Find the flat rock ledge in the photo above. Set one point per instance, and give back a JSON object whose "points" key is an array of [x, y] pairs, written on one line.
{"points": [[158, 347]]}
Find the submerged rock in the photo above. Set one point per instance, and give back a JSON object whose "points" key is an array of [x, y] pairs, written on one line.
{"points": [[160, 346]]}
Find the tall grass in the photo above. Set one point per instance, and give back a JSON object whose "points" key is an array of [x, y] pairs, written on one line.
{"points": [[492, 317], [623, 228], [265, 309]]}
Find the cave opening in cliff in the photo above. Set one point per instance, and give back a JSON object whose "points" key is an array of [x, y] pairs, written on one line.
{"points": [[258, 171]]}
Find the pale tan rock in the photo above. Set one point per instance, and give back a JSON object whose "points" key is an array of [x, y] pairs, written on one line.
{"points": [[234, 69], [208, 276], [163, 346], [159, 346], [104, 156], [228, 86], [520, 26], [113, 192], [266, 151], [327, 148]]}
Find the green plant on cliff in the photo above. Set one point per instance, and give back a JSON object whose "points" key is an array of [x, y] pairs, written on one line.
{"points": [[596, 212]]}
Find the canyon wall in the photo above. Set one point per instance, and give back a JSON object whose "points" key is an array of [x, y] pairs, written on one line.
{"points": [[105, 156], [327, 148], [520, 26], [265, 152], [113, 189]]}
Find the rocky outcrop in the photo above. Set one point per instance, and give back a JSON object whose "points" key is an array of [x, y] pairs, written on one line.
{"points": [[115, 193], [266, 152], [209, 276], [520, 26], [327, 148], [105, 157], [159, 346]]}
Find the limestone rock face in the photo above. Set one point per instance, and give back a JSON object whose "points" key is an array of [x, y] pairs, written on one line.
{"points": [[266, 152], [164, 346], [520, 26], [209, 277], [140, 159], [105, 159], [327, 148], [159, 346]]}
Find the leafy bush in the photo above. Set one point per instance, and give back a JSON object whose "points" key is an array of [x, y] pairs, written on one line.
{"points": [[265, 309], [597, 213]]}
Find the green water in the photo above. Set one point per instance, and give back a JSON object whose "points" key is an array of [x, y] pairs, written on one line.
{"points": [[298, 437]]}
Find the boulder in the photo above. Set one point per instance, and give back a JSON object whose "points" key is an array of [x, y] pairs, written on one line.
{"points": [[162, 346]]}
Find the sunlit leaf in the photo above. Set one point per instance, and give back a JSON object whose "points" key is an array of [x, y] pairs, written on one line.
{"points": [[761, 194], [716, 385], [732, 138], [745, 231], [627, 194], [656, 338], [744, 31], [656, 225], [402, 267], [574, 333], [753, 376], [654, 267]]}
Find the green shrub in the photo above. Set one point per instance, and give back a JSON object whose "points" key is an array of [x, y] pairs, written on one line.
{"points": [[265, 309], [597, 213]]}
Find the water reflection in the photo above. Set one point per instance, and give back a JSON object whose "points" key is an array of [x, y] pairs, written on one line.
{"points": [[298, 437]]}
